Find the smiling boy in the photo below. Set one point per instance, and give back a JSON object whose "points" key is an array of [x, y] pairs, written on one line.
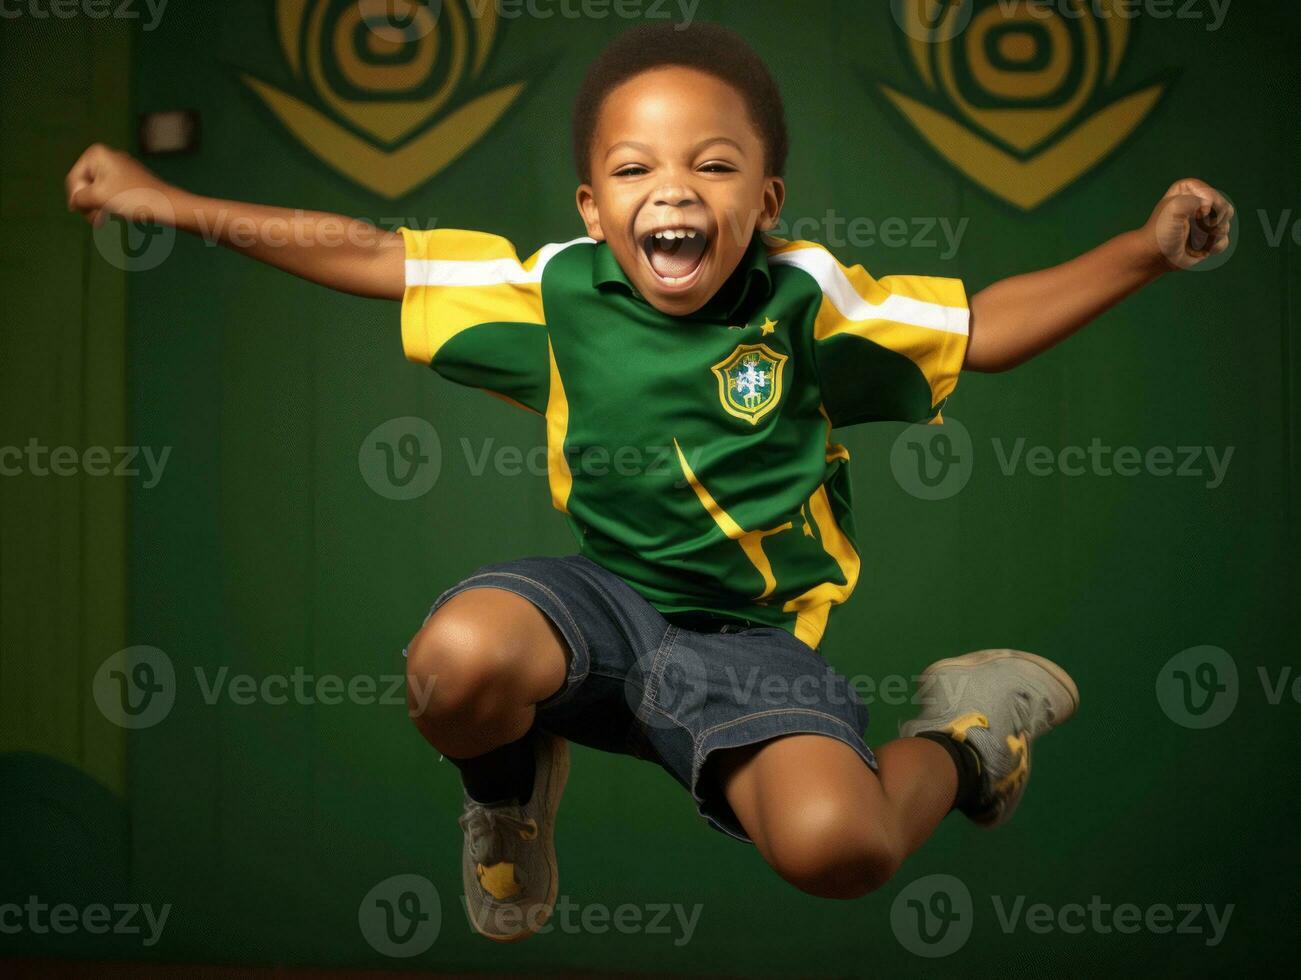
{"points": [[677, 322]]}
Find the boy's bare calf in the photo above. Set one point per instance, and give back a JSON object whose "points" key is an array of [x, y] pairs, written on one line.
{"points": [[824, 821]]}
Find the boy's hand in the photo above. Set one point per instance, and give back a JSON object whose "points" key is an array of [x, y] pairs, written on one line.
{"points": [[1013, 320], [105, 181], [350, 255], [1190, 224]]}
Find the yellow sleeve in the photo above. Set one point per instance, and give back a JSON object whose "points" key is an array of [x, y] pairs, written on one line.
{"points": [[473, 311], [888, 349]]}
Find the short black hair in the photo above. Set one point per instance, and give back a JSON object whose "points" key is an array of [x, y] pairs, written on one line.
{"points": [[710, 48]]}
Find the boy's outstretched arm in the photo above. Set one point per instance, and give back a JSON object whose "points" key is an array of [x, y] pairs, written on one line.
{"points": [[343, 253], [1018, 318]]}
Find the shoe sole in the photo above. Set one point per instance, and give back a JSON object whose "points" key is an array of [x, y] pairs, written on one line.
{"points": [[555, 788], [1055, 672]]}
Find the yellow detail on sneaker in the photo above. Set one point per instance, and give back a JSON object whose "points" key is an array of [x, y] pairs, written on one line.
{"points": [[499, 880], [1019, 745], [957, 729]]}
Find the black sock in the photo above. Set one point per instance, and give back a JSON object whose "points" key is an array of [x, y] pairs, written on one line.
{"points": [[505, 773], [967, 763]]}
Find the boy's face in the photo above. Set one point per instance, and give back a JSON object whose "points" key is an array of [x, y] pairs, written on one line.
{"points": [[679, 185]]}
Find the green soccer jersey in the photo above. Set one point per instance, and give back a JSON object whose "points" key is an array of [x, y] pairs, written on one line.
{"points": [[693, 455]]}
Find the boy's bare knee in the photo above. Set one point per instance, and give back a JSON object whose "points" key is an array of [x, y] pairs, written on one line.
{"points": [[826, 848], [456, 669]]}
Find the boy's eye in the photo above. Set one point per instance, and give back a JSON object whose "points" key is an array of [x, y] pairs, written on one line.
{"points": [[631, 170], [717, 167]]}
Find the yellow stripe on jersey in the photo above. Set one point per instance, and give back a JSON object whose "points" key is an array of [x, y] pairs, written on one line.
{"points": [[835, 450], [924, 318], [559, 475], [460, 279], [813, 608], [751, 542]]}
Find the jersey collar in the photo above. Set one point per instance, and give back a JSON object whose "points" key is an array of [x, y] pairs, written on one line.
{"points": [[752, 280]]}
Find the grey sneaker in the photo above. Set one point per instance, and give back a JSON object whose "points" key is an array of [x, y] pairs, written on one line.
{"points": [[998, 702], [508, 863]]}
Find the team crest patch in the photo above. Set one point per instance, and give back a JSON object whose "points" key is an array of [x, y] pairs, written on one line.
{"points": [[750, 381]]}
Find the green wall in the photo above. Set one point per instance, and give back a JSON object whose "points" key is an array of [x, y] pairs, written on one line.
{"points": [[263, 549], [63, 538], [62, 553]]}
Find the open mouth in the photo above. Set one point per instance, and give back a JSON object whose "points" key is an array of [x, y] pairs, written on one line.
{"points": [[676, 255]]}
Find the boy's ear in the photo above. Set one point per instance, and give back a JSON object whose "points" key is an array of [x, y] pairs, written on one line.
{"points": [[774, 199], [589, 212]]}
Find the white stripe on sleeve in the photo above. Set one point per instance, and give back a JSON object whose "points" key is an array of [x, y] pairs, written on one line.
{"points": [[823, 267], [484, 272]]}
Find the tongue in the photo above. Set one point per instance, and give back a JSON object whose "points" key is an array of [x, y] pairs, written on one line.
{"points": [[677, 258]]}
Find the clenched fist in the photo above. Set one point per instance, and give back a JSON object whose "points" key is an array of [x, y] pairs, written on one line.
{"points": [[105, 182], [1191, 223]]}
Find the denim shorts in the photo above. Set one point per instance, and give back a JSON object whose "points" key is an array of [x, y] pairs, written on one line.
{"points": [[640, 685]]}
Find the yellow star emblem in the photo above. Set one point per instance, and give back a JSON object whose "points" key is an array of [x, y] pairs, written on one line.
{"points": [[769, 326]]}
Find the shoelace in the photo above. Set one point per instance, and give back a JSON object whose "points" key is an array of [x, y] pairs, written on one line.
{"points": [[488, 828]]}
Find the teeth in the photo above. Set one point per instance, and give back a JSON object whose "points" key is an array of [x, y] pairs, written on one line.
{"points": [[675, 234]]}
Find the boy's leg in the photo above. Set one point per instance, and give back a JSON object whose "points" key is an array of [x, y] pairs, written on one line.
{"points": [[825, 821], [476, 670], [832, 827]]}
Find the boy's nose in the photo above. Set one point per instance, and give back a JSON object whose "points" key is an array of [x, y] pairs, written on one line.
{"points": [[676, 196]]}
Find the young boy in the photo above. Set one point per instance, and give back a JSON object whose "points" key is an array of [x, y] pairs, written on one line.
{"points": [[677, 322]]}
